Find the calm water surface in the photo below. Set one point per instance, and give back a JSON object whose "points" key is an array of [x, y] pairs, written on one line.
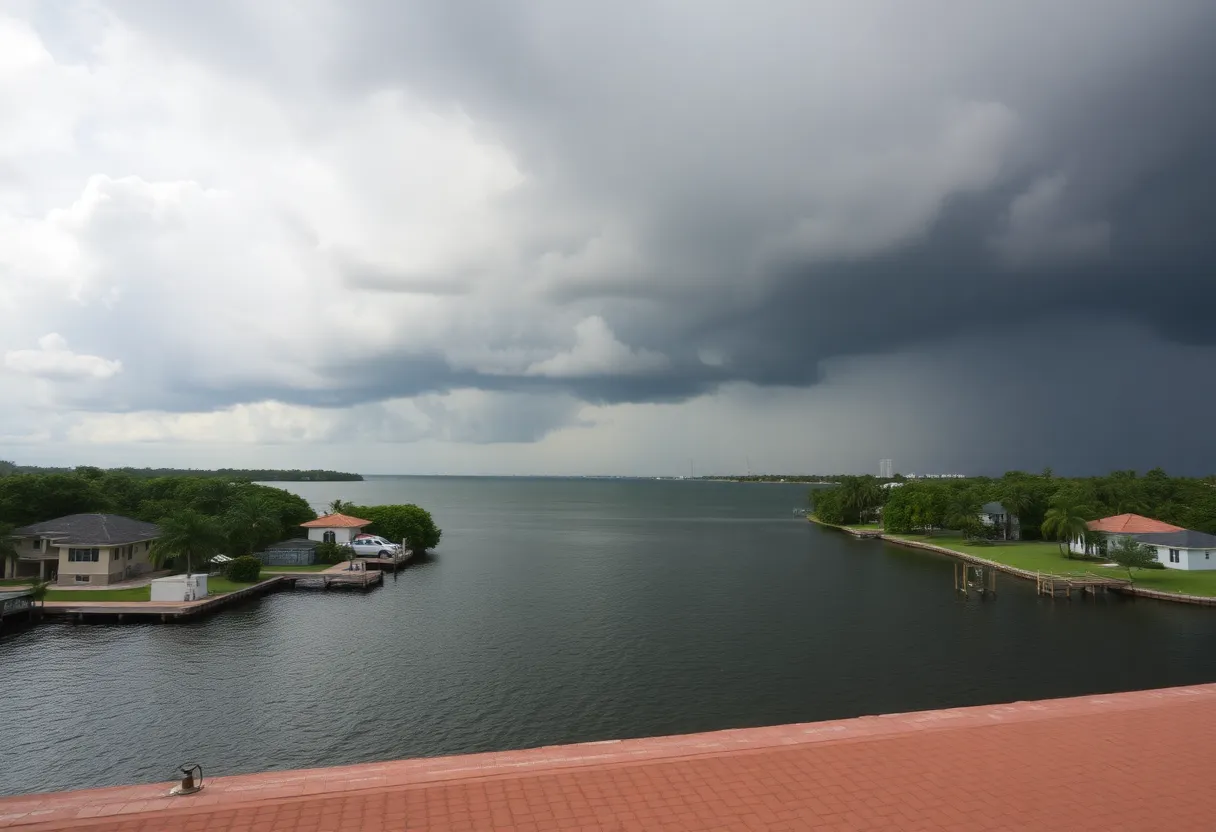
{"points": [[562, 611]]}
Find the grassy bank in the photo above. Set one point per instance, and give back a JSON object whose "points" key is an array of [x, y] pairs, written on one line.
{"points": [[84, 596], [861, 527], [316, 567], [216, 585], [1040, 556]]}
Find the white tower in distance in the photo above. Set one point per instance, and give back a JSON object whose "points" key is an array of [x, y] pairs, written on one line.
{"points": [[886, 469]]}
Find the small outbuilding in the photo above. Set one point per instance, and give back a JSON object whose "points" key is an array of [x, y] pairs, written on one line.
{"points": [[299, 551], [180, 588], [335, 528]]}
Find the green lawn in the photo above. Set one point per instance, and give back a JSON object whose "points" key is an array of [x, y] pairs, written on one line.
{"points": [[869, 527], [16, 581], [219, 585], [1039, 556], [316, 567], [84, 596], [216, 585]]}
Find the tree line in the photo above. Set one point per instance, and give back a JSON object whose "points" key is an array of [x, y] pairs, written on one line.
{"points": [[1047, 506], [198, 516], [8, 468]]}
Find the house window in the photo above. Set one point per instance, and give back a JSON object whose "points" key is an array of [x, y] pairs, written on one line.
{"points": [[36, 542], [329, 537], [82, 579], [147, 545], [1174, 558], [84, 555]]}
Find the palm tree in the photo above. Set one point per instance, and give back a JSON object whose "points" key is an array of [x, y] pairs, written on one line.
{"points": [[1064, 522], [252, 521], [1017, 500], [860, 494], [8, 549], [338, 506], [38, 591], [187, 533]]}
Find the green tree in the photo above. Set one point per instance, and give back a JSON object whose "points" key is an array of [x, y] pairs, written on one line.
{"points": [[1018, 501], [30, 498], [827, 505], [187, 534], [251, 522], [38, 590], [340, 506], [1132, 554], [962, 512], [407, 522], [1064, 522]]}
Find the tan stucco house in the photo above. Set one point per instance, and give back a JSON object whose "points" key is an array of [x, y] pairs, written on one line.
{"points": [[97, 549]]}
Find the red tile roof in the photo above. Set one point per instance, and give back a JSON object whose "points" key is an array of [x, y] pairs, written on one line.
{"points": [[1147, 756], [336, 521], [1131, 524]]}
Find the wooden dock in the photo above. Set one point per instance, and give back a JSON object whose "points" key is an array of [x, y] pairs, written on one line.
{"points": [[1084, 583], [362, 579], [392, 563]]}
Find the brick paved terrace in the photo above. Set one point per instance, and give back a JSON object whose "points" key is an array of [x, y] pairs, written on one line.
{"points": [[1130, 761]]}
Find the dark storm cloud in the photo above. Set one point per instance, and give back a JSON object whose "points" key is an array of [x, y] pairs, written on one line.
{"points": [[1074, 179], [1114, 99]]}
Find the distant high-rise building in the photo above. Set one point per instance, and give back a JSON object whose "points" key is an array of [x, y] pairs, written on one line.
{"points": [[886, 468]]}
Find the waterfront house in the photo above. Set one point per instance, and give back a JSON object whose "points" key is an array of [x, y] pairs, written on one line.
{"points": [[335, 528], [97, 549], [1184, 549], [1113, 529], [996, 515]]}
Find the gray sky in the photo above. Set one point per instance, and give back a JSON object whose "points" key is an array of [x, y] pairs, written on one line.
{"points": [[554, 237]]}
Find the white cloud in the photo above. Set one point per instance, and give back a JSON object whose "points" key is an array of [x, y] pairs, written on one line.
{"points": [[53, 360], [596, 352]]}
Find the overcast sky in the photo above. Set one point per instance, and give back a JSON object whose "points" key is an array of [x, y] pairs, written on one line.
{"points": [[555, 237]]}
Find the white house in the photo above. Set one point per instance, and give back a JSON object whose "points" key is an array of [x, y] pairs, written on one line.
{"points": [[995, 514], [335, 528], [1186, 549], [1113, 529]]}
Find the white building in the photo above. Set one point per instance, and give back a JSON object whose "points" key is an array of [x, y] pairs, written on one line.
{"points": [[1186, 549], [1113, 529], [335, 528], [999, 517], [1176, 547]]}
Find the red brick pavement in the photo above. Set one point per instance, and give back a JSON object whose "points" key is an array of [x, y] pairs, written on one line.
{"points": [[1133, 761]]}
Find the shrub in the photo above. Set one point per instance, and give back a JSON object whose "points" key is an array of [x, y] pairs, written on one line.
{"points": [[332, 553], [1154, 565], [243, 570]]}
